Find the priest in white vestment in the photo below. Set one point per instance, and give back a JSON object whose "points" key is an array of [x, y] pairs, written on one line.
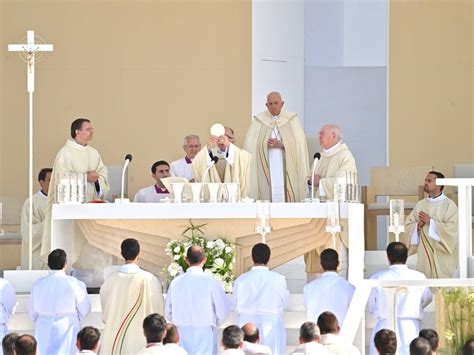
{"points": [[7, 306], [233, 164], [410, 301], [280, 163], [334, 343], [154, 329], [171, 340], [127, 297], [232, 340], [40, 200], [196, 303], [335, 157], [319, 294], [77, 156], [260, 297], [252, 341], [57, 304], [88, 340], [184, 167], [432, 231], [155, 193]]}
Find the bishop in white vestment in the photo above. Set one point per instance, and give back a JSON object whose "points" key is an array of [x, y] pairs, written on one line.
{"points": [[233, 164], [77, 157], [432, 231], [280, 163], [260, 297], [335, 158], [57, 304], [196, 303], [7, 306], [40, 200], [410, 302]]}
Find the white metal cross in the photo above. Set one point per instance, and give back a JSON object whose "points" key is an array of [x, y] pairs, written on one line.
{"points": [[30, 49]]}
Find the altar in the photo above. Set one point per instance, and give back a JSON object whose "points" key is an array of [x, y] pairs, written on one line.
{"points": [[297, 228]]}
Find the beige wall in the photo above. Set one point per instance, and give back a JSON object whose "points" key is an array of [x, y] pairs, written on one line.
{"points": [[145, 72], [431, 83]]}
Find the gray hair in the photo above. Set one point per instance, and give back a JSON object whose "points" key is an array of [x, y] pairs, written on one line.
{"points": [[274, 93], [333, 128], [189, 137], [309, 331]]}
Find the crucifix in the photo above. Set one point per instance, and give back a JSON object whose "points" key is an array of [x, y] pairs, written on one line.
{"points": [[29, 50]]}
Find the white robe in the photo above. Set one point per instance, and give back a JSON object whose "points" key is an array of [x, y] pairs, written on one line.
{"points": [[75, 158], [311, 348], [336, 345], [7, 306], [127, 297], [57, 303], [256, 348], [410, 304], [149, 195], [181, 168], [160, 349], [196, 303], [260, 296], [319, 296], [40, 201]]}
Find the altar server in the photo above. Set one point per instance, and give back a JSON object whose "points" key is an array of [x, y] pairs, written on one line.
{"points": [[233, 164], [196, 303], [260, 296], [7, 306], [319, 293], [277, 143], [432, 231], [158, 191], [410, 302], [183, 167], [40, 200], [127, 297], [57, 303]]}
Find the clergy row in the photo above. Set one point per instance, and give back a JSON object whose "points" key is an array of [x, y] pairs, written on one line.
{"points": [[273, 166], [197, 304]]}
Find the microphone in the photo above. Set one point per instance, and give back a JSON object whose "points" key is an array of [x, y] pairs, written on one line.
{"points": [[128, 159], [214, 161], [316, 158]]}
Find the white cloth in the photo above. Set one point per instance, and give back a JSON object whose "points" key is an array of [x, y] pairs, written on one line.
{"points": [[40, 200], [176, 349], [196, 303], [334, 344], [311, 348], [127, 297], [410, 304], [260, 297], [57, 303], [7, 306], [256, 349], [233, 352], [149, 195], [182, 168], [160, 349], [329, 293], [276, 163]]}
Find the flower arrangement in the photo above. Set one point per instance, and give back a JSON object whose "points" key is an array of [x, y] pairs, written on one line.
{"points": [[219, 253], [459, 315]]}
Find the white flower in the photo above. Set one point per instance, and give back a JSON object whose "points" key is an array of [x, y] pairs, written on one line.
{"points": [[173, 269], [228, 250], [231, 266], [176, 257], [210, 244], [177, 249], [220, 243], [219, 262]]}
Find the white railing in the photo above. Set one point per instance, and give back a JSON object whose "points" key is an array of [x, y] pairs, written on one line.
{"points": [[356, 312]]}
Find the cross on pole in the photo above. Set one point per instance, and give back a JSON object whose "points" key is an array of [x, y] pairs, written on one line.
{"points": [[29, 50]]}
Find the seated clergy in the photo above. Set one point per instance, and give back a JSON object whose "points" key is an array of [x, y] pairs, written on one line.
{"points": [[233, 164], [154, 193], [183, 167]]}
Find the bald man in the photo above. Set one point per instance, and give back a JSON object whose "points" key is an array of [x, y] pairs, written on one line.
{"points": [[335, 157], [280, 163]]}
